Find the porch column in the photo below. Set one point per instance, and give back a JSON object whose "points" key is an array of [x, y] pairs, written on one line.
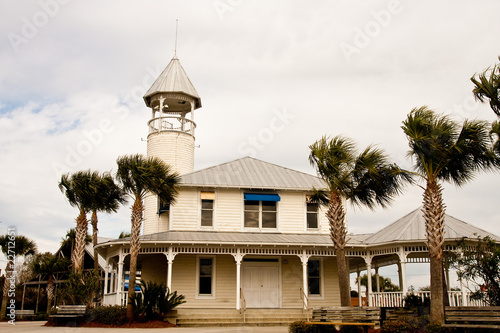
{"points": [[369, 283], [304, 258], [112, 287], [402, 260], [368, 260], [119, 287], [238, 258], [170, 260], [377, 279], [358, 280], [464, 294], [106, 278]]}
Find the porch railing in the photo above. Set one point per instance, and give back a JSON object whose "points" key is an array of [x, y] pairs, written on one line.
{"points": [[124, 297], [305, 302], [395, 299]]}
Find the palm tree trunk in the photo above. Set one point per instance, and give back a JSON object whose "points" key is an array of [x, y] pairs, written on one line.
{"points": [[434, 211], [338, 232], [137, 210], [81, 233], [93, 221], [50, 293]]}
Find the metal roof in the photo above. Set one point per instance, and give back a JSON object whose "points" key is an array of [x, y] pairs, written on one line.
{"points": [[235, 238], [251, 173], [173, 79], [412, 228]]}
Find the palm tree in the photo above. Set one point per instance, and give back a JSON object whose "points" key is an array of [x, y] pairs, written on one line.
{"points": [[49, 264], [106, 197], [488, 88], [367, 179], [18, 246], [139, 175], [77, 188], [443, 150], [68, 243]]}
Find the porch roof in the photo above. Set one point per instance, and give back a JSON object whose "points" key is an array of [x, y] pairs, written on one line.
{"points": [[237, 238]]}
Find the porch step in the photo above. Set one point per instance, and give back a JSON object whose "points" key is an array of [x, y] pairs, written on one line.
{"points": [[253, 317]]}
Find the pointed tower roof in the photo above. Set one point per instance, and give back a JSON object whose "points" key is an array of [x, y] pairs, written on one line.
{"points": [[412, 228], [173, 79]]}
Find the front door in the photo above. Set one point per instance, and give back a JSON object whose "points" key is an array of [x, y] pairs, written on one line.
{"points": [[260, 284]]}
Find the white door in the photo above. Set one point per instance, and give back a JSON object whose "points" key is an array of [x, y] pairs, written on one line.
{"points": [[261, 286]]}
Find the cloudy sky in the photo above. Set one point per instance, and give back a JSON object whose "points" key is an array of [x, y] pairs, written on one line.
{"points": [[273, 78]]}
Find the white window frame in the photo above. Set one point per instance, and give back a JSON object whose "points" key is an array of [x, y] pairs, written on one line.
{"points": [[260, 228], [321, 280], [306, 213], [212, 227], [197, 292]]}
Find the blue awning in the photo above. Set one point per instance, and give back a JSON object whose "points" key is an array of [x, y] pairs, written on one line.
{"points": [[262, 197]]}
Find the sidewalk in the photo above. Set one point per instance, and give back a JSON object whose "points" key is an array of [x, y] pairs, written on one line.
{"points": [[37, 326]]}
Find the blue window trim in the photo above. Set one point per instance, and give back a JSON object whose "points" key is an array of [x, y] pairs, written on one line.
{"points": [[261, 197]]}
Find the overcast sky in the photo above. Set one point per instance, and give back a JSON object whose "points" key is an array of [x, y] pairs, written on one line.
{"points": [[273, 78]]}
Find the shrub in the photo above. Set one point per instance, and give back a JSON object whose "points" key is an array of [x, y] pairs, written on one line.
{"points": [[412, 300], [79, 289], [351, 329], [109, 315], [405, 324], [155, 300], [302, 327], [298, 327]]}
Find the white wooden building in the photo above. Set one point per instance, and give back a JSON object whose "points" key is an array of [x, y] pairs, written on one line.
{"points": [[242, 233]]}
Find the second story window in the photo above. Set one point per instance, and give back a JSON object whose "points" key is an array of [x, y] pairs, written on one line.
{"points": [[261, 211], [311, 214], [163, 207], [207, 209]]}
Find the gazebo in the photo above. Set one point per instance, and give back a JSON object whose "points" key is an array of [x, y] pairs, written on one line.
{"points": [[404, 242]]}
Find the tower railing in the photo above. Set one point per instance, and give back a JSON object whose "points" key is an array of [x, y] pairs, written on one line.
{"points": [[171, 124]]}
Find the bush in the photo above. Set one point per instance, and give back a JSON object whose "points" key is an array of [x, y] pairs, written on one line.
{"points": [[412, 300], [109, 315], [436, 328], [302, 327], [351, 329], [298, 327], [155, 301], [405, 324], [79, 288]]}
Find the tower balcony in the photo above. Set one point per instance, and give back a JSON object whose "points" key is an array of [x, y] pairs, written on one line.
{"points": [[171, 124]]}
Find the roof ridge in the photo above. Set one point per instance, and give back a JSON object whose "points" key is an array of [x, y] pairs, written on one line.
{"points": [[255, 159]]}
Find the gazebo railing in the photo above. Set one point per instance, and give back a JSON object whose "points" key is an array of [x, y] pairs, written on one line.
{"points": [[396, 299]]}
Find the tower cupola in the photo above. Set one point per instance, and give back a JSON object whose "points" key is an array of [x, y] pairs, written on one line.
{"points": [[173, 99]]}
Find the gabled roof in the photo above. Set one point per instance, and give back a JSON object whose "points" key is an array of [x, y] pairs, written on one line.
{"points": [[251, 173], [173, 79], [412, 228]]}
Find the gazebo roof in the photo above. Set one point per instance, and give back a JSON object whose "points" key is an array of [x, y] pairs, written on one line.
{"points": [[411, 228]]}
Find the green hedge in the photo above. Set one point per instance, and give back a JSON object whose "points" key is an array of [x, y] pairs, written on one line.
{"points": [[302, 327], [109, 315]]}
